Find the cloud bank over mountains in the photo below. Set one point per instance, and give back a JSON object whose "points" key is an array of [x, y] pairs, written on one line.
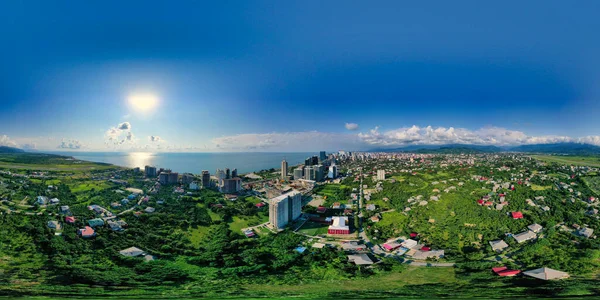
{"points": [[122, 138]]}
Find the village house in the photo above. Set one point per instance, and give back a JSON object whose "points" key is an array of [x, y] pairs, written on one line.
{"points": [[86, 232], [525, 236], [546, 274], [498, 245], [96, 222], [585, 232], [150, 209], [339, 226], [54, 225], [70, 219], [360, 259], [535, 227]]}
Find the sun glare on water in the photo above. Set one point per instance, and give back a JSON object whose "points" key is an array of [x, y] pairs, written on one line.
{"points": [[143, 102]]}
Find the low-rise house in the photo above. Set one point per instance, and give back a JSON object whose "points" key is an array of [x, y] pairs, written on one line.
{"points": [[54, 225], [360, 259], [41, 200], [64, 208], [375, 219], [70, 219], [498, 245], [409, 244], [370, 207], [114, 226], [391, 245], [525, 236], [86, 232], [585, 232], [535, 227], [505, 272], [150, 209], [132, 252], [339, 226], [353, 246], [54, 201], [546, 274], [96, 222], [517, 215], [422, 255]]}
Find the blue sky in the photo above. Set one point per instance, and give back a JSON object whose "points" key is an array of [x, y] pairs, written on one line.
{"points": [[289, 75]]}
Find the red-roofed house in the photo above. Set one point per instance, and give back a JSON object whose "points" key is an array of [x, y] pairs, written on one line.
{"points": [[480, 201], [86, 232], [260, 204], [70, 219], [321, 209], [505, 272], [517, 215], [413, 235], [425, 248], [488, 203]]}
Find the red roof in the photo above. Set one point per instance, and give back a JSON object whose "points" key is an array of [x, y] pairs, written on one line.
{"points": [[87, 231], [517, 215], [499, 269], [425, 248], [488, 203], [501, 195], [321, 209], [70, 219], [509, 273], [480, 201], [260, 204], [414, 234]]}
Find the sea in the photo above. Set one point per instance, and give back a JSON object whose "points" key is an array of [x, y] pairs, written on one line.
{"points": [[245, 162]]}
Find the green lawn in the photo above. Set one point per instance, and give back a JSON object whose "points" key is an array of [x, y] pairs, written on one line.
{"points": [[592, 161], [88, 186], [197, 234], [312, 228]]}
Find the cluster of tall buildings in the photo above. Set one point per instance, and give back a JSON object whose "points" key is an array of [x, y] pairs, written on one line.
{"points": [[285, 209], [315, 168], [228, 181]]}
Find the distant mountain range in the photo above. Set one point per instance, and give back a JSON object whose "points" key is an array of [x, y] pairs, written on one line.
{"points": [[6, 149], [558, 148]]}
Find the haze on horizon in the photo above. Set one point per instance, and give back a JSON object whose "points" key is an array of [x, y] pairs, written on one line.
{"points": [[296, 76]]}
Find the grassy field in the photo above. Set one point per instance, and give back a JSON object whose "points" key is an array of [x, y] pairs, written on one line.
{"points": [[539, 187], [389, 281], [197, 234], [313, 229], [593, 183], [239, 223], [592, 161]]}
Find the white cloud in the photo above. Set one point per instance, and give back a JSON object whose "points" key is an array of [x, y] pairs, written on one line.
{"points": [[416, 135], [6, 141], [70, 144], [155, 139], [124, 126], [119, 135], [289, 141], [351, 126]]}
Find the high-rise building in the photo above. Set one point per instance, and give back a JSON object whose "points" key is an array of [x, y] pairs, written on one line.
{"points": [[298, 173], [285, 209], [319, 172], [220, 174], [332, 172], [227, 173], [173, 178], [231, 185], [150, 171], [234, 173], [205, 178], [307, 161], [380, 174], [314, 160], [284, 169], [322, 156], [163, 178], [187, 178], [309, 173]]}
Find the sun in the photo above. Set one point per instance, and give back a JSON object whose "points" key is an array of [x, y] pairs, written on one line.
{"points": [[143, 102]]}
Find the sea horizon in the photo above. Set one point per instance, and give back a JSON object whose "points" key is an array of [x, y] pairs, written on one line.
{"points": [[192, 162]]}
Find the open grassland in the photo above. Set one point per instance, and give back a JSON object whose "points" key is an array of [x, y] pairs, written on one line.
{"points": [[48, 162], [592, 161]]}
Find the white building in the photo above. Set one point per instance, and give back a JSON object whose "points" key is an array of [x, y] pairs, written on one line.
{"points": [[194, 186], [332, 172], [284, 170], [285, 209], [380, 174]]}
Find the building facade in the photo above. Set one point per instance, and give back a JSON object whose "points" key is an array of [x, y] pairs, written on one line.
{"points": [[332, 172], [285, 209], [380, 174], [298, 173], [150, 171], [231, 185], [187, 178], [284, 169], [205, 178]]}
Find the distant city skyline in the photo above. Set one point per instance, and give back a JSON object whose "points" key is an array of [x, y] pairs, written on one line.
{"points": [[297, 76]]}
